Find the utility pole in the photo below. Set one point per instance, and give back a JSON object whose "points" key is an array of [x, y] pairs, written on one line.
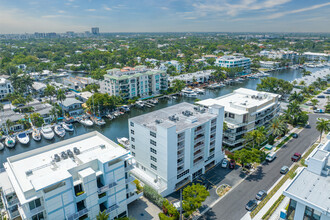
{"points": [[180, 217]]}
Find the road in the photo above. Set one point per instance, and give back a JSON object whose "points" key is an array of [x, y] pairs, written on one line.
{"points": [[232, 206]]}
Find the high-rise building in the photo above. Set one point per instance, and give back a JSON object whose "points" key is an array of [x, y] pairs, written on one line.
{"points": [[175, 145], [71, 179], [95, 30]]}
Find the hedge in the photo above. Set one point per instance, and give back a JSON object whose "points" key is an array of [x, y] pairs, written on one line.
{"points": [[273, 207], [153, 196], [284, 141]]}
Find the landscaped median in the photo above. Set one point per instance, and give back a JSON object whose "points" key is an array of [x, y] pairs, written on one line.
{"points": [[273, 208], [284, 141], [273, 191]]}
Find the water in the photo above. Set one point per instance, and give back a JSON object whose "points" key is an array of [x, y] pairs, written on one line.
{"points": [[119, 126]]}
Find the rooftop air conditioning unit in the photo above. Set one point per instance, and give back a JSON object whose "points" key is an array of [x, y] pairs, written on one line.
{"points": [[76, 150], [57, 158]]}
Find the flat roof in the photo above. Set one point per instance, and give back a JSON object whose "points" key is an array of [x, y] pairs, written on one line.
{"points": [[37, 169], [310, 188], [183, 122], [240, 100]]}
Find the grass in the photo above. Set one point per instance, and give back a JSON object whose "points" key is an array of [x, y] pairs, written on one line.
{"points": [[223, 190], [273, 208], [284, 141], [274, 190]]}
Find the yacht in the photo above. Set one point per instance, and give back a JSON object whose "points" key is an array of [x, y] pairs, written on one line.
{"points": [[199, 91], [59, 130], [188, 93], [47, 132], [140, 104], [123, 141], [99, 121], [67, 126], [86, 122], [2, 146], [23, 138], [36, 135], [10, 142]]}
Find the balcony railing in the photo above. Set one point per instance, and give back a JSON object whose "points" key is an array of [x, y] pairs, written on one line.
{"points": [[129, 167], [199, 147], [130, 179], [106, 187], [12, 202], [35, 211], [180, 155], [112, 208], [199, 131], [198, 154], [212, 138], [229, 142], [233, 134], [14, 214], [181, 138], [180, 146], [199, 139], [181, 162], [77, 214]]}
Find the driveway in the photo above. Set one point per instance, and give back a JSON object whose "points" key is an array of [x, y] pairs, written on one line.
{"points": [[232, 206]]}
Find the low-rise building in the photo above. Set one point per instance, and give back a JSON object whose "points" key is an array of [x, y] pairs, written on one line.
{"points": [[5, 87], [72, 106], [316, 56], [189, 78], [78, 82], [309, 191], [83, 96], [245, 110], [269, 64], [235, 61], [72, 179], [178, 66], [131, 82], [175, 145], [39, 88]]}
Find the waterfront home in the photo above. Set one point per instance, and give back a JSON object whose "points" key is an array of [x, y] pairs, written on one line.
{"points": [[39, 88], [72, 106], [44, 110], [235, 61], [14, 118], [5, 87], [78, 82], [174, 145], [245, 110], [72, 179], [83, 96], [198, 77], [269, 64], [316, 56]]}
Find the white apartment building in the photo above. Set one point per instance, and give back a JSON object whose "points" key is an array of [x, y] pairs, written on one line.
{"points": [[235, 61], [245, 110], [316, 56], [178, 66], [200, 77], [5, 88], [71, 179], [269, 64], [309, 191], [131, 82], [175, 145]]}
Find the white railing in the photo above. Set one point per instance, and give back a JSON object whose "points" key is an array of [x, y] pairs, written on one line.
{"points": [[181, 162], [130, 179], [35, 211], [112, 208], [129, 167], [77, 214], [199, 139], [106, 187], [199, 131], [198, 154]]}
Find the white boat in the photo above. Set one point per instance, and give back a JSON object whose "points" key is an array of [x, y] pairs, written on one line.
{"points": [[86, 122], [188, 93], [109, 116], [123, 141], [59, 130], [23, 138], [99, 121], [140, 104], [199, 91], [36, 135], [10, 142], [47, 132], [2, 146], [67, 127], [124, 108]]}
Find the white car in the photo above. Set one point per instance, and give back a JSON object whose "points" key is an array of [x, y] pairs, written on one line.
{"points": [[224, 163]]}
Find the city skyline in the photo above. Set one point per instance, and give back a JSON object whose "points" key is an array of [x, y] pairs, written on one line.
{"points": [[172, 16]]}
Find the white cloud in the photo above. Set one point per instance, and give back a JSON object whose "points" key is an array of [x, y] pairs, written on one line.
{"points": [[164, 8], [106, 8], [91, 9], [61, 11]]}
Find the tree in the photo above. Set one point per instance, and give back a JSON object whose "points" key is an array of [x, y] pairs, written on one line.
{"points": [[61, 97], [102, 216], [314, 102], [296, 97], [169, 210], [275, 85], [36, 119], [244, 156], [178, 85], [257, 136], [9, 123], [193, 196], [278, 127], [49, 91], [302, 83], [322, 125], [225, 126]]}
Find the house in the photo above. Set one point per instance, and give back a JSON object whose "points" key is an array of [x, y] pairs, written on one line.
{"points": [[5, 87], [39, 88], [83, 96], [72, 106]]}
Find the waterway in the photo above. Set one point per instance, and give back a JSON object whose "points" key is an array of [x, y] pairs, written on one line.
{"points": [[119, 126]]}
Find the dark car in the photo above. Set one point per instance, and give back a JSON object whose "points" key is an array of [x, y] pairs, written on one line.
{"points": [[284, 169], [232, 164], [307, 125], [295, 135], [321, 96], [296, 157], [20, 105], [261, 195], [252, 204]]}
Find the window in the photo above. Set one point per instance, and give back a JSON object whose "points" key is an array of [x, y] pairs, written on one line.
{"points": [[312, 214], [153, 142], [152, 134], [133, 154], [153, 158], [133, 146], [153, 150], [132, 131], [182, 174], [132, 139], [38, 216], [153, 166], [34, 204], [132, 124], [231, 115]]}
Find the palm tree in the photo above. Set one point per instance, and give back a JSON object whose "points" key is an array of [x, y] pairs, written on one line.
{"points": [[9, 123], [49, 91], [102, 216], [322, 125], [61, 97], [314, 102], [302, 83], [296, 97], [277, 127], [260, 135]]}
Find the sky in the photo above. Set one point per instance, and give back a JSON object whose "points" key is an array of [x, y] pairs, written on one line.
{"points": [[29, 16]]}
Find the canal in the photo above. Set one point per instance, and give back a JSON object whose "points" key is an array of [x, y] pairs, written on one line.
{"points": [[119, 126]]}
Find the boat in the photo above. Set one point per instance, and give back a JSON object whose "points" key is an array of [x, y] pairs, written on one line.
{"points": [[109, 116], [36, 135], [99, 121], [188, 93], [2, 146], [140, 104], [23, 138], [123, 141], [47, 132], [10, 142], [67, 126], [124, 108], [59, 130], [86, 122], [199, 91], [214, 86]]}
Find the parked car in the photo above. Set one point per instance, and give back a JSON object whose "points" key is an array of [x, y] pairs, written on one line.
{"points": [[318, 111], [327, 92], [284, 169], [232, 164], [295, 135], [252, 204], [296, 157], [307, 125], [271, 156], [309, 103], [321, 96], [40, 100], [261, 195], [224, 163]]}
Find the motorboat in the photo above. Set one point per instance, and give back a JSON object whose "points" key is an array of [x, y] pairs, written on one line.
{"points": [[59, 130], [99, 121], [10, 142], [188, 93], [109, 116], [86, 122], [47, 132], [199, 91], [23, 138], [36, 135], [2, 146], [123, 141], [140, 104], [124, 108], [68, 126]]}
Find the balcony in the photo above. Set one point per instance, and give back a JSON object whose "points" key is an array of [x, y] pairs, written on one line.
{"points": [[181, 162], [34, 211], [233, 134], [212, 138], [77, 214], [180, 154], [106, 187], [134, 197], [130, 179], [13, 214], [233, 142], [198, 147], [199, 139], [213, 130], [129, 167], [181, 138], [201, 153], [199, 131], [112, 208], [180, 146]]}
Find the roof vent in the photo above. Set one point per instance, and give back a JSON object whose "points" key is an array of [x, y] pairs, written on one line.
{"points": [[173, 118], [64, 155], [70, 154], [102, 146], [57, 158], [158, 121], [29, 173], [187, 113], [76, 150]]}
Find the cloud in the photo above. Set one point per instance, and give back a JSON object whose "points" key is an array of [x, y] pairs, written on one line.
{"points": [[164, 8], [281, 14], [91, 9], [106, 8], [61, 11]]}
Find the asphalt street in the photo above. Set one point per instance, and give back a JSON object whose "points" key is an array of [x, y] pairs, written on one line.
{"points": [[232, 206]]}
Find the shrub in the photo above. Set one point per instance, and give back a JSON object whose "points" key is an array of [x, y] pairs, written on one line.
{"points": [[271, 139], [273, 207], [162, 216], [153, 196], [138, 185]]}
